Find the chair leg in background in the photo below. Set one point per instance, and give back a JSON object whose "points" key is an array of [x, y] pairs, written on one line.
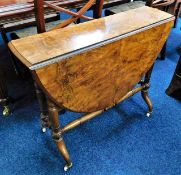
{"points": [[4, 99]]}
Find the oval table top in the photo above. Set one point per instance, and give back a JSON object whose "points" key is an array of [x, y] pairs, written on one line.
{"points": [[43, 49]]}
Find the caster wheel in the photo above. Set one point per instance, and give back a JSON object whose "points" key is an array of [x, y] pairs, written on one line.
{"points": [[67, 167], [148, 114], [6, 111], [43, 129]]}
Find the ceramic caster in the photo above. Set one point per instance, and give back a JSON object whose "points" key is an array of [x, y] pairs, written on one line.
{"points": [[148, 114], [6, 111], [43, 129], [67, 166]]}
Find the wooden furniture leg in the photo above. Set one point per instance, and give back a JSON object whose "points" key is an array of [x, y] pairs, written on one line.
{"points": [[4, 99], [163, 52], [97, 12], [177, 14], [174, 89], [45, 123], [39, 15], [144, 92], [78, 20], [5, 39], [57, 134]]}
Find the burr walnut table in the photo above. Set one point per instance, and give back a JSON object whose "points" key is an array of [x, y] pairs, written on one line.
{"points": [[93, 66]]}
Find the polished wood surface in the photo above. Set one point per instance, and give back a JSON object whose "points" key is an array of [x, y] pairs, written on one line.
{"points": [[40, 19], [99, 78], [10, 2], [96, 78], [74, 18], [14, 8], [43, 47]]}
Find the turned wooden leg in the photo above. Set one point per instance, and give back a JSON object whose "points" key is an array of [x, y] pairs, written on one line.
{"points": [[146, 98], [57, 134], [144, 92], [45, 123], [4, 99]]}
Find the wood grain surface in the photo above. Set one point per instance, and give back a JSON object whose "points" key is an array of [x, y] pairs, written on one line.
{"points": [[98, 78], [50, 45], [8, 2]]}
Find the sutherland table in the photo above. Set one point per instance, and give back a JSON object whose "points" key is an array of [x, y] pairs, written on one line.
{"points": [[93, 66]]}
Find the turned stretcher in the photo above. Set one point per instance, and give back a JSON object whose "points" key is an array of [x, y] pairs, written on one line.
{"points": [[93, 66]]}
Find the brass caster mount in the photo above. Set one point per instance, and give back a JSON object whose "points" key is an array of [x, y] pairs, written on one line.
{"points": [[148, 114], [43, 129], [5, 105], [45, 123], [6, 111], [67, 166]]}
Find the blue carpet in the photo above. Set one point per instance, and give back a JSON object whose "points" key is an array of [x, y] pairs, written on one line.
{"points": [[122, 141]]}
